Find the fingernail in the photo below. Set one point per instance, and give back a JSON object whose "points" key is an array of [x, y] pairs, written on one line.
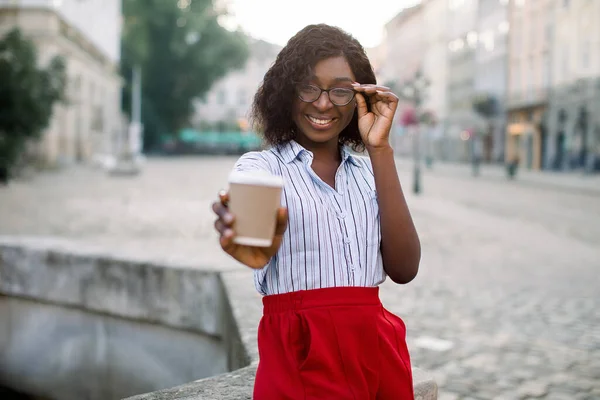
{"points": [[222, 192], [228, 233]]}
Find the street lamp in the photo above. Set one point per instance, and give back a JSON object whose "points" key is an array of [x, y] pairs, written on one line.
{"points": [[414, 91]]}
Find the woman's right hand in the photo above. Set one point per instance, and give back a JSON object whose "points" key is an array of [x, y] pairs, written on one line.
{"points": [[253, 257]]}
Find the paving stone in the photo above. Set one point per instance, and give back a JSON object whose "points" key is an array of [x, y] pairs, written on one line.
{"points": [[533, 389], [448, 396]]}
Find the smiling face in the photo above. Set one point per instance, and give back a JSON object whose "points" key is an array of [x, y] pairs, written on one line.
{"points": [[321, 121]]}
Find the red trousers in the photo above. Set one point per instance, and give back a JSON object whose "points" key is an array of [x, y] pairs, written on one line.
{"points": [[335, 343]]}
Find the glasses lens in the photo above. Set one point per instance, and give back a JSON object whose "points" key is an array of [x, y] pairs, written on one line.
{"points": [[340, 96], [309, 93]]}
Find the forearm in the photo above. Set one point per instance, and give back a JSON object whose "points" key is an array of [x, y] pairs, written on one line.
{"points": [[400, 246]]}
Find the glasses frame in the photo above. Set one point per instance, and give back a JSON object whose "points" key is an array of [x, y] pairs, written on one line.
{"points": [[326, 91]]}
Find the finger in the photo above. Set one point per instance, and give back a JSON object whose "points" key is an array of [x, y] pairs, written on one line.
{"points": [[226, 241], [224, 197], [282, 221], [387, 96], [361, 105], [368, 86], [223, 212], [384, 103], [220, 226]]}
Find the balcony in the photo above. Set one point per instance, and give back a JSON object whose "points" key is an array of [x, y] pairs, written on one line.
{"points": [[527, 98]]}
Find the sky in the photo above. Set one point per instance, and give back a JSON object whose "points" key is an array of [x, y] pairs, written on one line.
{"points": [[278, 20]]}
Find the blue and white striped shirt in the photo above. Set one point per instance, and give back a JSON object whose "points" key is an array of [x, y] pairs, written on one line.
{"points": [[333, 235]]}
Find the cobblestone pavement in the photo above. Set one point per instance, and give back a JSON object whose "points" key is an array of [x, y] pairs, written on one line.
{"points": [[505, 305]]}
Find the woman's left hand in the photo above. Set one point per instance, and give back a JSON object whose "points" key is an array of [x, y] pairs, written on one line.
{"points": [[375, 125]]}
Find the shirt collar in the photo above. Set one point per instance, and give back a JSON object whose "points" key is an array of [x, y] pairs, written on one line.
{"points": [[292, 150]]}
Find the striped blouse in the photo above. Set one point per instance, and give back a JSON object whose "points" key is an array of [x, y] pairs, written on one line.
{"points": [[333, 235]]}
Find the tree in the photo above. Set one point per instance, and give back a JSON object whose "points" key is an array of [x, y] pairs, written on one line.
{"points": [[486, 106], [27, 96], [182, 50]]}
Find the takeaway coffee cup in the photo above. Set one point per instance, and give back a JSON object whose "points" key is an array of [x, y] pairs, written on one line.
{"points": [[254, 198]]}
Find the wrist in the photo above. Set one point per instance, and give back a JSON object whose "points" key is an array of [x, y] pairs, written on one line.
{"points": [[375, 151]]}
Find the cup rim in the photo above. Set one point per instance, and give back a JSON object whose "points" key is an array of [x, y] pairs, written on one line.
{"points": [[263, 178]]}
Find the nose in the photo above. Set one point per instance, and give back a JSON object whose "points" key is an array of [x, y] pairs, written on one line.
{"points": [[323, 103]]}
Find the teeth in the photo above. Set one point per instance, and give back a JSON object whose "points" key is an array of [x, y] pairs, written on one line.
{"points": [[320, 121]]}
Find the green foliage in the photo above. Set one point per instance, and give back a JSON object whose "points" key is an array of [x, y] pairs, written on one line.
{"points": [[27, 95], [182, 50]]}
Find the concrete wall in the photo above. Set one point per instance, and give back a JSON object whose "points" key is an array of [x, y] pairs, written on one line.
{"points": [[72, 353], [76, 324]]}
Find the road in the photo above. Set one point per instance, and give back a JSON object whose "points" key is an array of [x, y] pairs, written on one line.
{"points": [[506, 302]]}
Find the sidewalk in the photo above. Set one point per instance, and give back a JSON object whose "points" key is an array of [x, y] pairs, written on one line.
{"points": [[566, 181]]}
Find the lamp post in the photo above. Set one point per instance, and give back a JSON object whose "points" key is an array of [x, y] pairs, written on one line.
{"points": [[414, 91]]}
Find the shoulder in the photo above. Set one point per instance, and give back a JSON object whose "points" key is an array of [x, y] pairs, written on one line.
{"points": [[364, 162], [256, 160]]}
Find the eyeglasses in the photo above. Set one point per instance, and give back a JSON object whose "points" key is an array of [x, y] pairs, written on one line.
{"points": [[338, 96]]}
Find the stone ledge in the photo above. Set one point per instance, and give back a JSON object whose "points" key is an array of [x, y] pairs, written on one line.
{"points": [[239, 384], [175, 296]]}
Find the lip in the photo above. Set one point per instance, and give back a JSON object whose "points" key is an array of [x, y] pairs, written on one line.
{"points": [[320, 127]]}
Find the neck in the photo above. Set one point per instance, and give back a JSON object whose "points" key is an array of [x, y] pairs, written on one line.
{"points": [[323, 152]]}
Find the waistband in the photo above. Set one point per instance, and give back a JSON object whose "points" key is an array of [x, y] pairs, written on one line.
{"points": [[327, 297]]}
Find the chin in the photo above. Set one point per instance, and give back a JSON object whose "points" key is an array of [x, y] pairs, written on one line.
{"points": [[321, 137]]}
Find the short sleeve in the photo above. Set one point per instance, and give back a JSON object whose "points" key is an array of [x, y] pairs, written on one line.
{"points": [[252, 161]]}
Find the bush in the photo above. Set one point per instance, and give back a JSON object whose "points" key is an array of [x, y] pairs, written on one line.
{"points": [[27, 96]]}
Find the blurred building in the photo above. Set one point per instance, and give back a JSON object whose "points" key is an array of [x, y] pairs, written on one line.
{"points": [[573, 119], [462, 38], [228, 102], [435, 69], [529, 80], [403, 53], [87, 34], [491, 66]]}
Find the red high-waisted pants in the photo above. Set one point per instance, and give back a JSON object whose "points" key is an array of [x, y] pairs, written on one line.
{"points": [[335, 343]]}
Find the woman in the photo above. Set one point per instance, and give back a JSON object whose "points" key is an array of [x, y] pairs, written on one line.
{"points": [[324, 333]]}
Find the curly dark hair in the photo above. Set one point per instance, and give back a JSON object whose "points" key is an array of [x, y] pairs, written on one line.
{"points": [[273, 102]]}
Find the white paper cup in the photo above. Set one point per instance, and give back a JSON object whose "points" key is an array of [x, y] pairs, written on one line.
{"points": [[254, 198]]}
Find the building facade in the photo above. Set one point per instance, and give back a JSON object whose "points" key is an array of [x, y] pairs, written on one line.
{"points": [[435, 69], [491, 69], [462, 41], [403, 47], [529, 80], [87, 34], [573, 118], [229, 101]]}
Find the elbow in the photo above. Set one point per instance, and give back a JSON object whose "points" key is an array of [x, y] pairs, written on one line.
{"points": [[406, 270], [406, 275], [403, 270]]}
